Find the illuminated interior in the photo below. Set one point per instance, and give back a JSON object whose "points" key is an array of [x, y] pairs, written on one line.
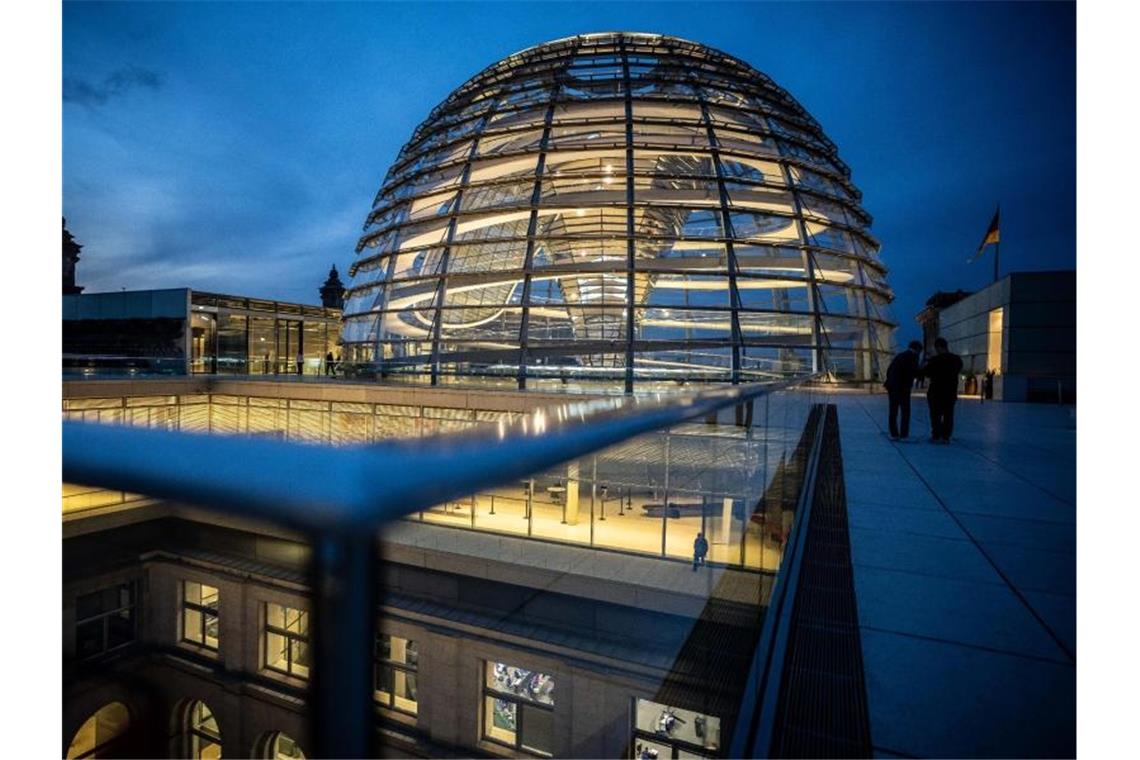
{"points": [[618, 207], [712, 474], [98, 735], [994, 342]]}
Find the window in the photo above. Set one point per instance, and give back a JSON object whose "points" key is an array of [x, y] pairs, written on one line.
{"points": [[200, 614], [661, 732], [203, 739], [287, 640], [518, 708], [993, 344], [101, 734], [279, 746], [105, 620], [396, 661]]}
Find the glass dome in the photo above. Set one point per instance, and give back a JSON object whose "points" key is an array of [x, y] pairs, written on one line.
{"points": [[628, 208]]}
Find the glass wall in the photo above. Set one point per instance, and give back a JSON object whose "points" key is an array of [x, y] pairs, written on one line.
{"points": [[233, 344], [262, 346], [237, 336], [732, 480]]}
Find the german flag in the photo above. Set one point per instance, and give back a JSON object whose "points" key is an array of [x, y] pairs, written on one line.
{"points": [[993, 234]]}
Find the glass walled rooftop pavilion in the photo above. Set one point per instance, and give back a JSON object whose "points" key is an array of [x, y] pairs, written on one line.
{"points": [[648, 496]]}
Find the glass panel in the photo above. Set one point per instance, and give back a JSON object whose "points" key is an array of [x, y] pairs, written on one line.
{"points": [[521, 682], [232, 343], [538, 729], [382, 684], [262, 346], [192, 625], [120, 628], [89, 638], [299, 651], [276, 651], [211, 631], [994, 348], [501, 722], [405, 691], [284, 748], [678, 724]]}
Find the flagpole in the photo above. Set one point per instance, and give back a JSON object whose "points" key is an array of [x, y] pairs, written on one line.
{"points": [[997, 258]]}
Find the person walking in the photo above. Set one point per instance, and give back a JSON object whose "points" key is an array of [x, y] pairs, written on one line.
{"points": [[943, 370], [900, 380], [300, 363], [700, 549], [329, 364]]}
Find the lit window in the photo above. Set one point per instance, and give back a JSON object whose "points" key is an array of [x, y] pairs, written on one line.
{"points": [[200, 614], [518, 708], [281, 746], [396, 661], [287, 640], [662, 732], [100, 735], [105, 620], [203, 739], [993, 344]]}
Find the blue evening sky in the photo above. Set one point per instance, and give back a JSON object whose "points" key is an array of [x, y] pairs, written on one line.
{"points": [[237, 147]]}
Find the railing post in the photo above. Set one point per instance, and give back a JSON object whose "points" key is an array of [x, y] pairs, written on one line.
{"points": [[340, 695]]}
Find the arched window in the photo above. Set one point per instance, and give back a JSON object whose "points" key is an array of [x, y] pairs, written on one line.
{"points": [[200, 732], [100, 735], [280, 746]]}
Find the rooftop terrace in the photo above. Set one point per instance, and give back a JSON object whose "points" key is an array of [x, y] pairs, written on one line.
{"points": [[965, 575]]}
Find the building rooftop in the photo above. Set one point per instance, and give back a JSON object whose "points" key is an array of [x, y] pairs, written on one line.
{"points": [[965, 575]]}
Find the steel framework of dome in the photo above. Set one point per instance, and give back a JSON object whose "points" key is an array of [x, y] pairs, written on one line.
{"points": [[621, 207]]}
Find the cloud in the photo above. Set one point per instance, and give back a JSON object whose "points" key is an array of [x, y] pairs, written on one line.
{"points": [[118, 82]]}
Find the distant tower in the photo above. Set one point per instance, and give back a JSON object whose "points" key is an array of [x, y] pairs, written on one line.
{"points": [[70, 259], [332, 292]]}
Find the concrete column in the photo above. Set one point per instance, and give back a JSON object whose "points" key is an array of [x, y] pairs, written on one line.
{"points": [[571, 509]]}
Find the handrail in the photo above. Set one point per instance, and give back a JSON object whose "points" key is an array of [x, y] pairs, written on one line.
{"points": [[315, 487], [340, 496]]}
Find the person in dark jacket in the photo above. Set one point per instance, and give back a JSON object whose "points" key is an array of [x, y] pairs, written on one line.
{"points": [[943, 370], [900, 380], [700, 549]]}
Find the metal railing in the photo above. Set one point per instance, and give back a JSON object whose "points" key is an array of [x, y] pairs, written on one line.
{"points": [[332, 495]]}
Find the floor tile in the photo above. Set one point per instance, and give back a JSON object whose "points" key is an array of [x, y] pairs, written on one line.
{"points": [[930, 699]]}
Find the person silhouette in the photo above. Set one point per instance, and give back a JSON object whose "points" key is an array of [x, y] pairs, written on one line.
{"points": [[700, 549], [943, 370], [900, 380]]}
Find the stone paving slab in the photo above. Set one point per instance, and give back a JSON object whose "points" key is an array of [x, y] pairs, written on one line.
{"points": [[939, 699], [965, 574]]}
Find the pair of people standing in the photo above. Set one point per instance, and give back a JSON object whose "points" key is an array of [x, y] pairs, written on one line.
{"points": [[942, 371]]}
